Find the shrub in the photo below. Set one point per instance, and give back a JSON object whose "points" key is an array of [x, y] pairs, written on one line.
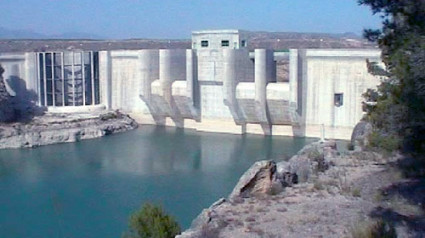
{"points": [[356, 192], [314, 154], [108, 116], [318, 185], [388, 143], [378, 229], [151, 222]]}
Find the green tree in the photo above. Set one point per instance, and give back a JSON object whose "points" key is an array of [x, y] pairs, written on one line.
{"points": [[151, 222], [399, 111], [7, 112]]}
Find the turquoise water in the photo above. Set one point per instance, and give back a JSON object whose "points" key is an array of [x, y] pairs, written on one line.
{"points": [[89, 189]]}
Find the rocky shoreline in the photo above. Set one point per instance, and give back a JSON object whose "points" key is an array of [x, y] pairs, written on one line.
{"points": [[61, 128], [317, 193]]}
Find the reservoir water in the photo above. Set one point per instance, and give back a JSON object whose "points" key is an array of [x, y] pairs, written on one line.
{"points": [[90, 188]]}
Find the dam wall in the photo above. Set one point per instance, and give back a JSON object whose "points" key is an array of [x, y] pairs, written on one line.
{"points": [[218, 86], [233, 92]]}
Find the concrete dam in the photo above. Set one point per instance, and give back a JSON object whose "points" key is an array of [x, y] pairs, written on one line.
{"points": [[217, 86]]}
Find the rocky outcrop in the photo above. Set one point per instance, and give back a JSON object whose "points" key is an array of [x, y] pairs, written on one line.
{"points": [[208, 223], [341, 197], [312, 159], [61, 128], [267, 177], [262, 180]]}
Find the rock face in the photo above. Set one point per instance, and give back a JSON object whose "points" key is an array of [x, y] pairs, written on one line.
{"points": [[55, 128], [313, 158], [359, 137], [260, 179], [267, 177], [339, 199]]}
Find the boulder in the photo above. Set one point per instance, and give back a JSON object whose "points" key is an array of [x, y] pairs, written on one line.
{"points": [[360, 135], [317, 147], [285, 175], [282, 167], [302, 167], [312, 159], [260, 179]]}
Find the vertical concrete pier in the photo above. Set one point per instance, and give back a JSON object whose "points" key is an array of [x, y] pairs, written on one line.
{"points": [[192, 86], [229, 83], [263, 75], [190, 74], [293, 74], [105, 65], [165, 73], [229, 62], [172, 67], [149, 71], [260, 84]]}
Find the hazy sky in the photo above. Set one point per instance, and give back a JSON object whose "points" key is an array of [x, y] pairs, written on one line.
{"points": [[177, 18]]}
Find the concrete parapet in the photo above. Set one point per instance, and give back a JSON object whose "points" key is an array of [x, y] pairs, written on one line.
{"points": [[180, 98], [350, 53], [245, 95], [77, 109], [282, 111], [278, 91]]}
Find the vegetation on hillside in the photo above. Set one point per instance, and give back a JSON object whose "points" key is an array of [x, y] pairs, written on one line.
{"points": [[152, 222], [398, 114], [4, 95], [7, 113]]}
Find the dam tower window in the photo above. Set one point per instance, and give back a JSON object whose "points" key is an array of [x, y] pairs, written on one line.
{"points": [[204, 43], [243, 43], [225, 43], [338, 99], [68, 78]]}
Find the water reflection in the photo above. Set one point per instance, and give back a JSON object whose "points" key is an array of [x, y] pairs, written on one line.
{"points": [[88, 189]]}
